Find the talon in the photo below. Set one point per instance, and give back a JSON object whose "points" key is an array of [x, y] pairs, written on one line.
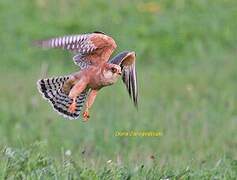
{"points": [[86, 116]]}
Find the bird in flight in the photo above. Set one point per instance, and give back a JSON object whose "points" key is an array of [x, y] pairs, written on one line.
{"points": [[91, 52]]}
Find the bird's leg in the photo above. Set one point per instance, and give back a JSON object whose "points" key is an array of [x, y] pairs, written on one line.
{"points": [[74, 93], [89, 102]]}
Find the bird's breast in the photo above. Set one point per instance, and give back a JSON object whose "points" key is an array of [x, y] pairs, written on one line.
{"points": [[102, 79]]}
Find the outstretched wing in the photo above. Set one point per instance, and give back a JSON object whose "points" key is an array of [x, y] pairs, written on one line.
{"points": [[89, 49], [127, 62]]}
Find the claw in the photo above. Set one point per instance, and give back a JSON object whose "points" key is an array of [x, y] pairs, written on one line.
{"points": [[86, 116]]}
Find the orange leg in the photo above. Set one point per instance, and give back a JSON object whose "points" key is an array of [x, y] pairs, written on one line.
{"points": [[89, 102], [74, 93]]}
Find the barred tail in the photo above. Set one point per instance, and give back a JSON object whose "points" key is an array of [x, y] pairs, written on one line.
{"points": [[51, 90]]}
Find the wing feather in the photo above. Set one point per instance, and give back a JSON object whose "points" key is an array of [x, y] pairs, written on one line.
{"points": [[89, 49], [127, 62]]}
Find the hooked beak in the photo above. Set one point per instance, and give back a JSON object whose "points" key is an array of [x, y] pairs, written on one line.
{"points": [[119, 72]]}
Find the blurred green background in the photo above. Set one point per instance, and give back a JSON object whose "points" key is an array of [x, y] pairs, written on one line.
{"points": [[187, 71]]}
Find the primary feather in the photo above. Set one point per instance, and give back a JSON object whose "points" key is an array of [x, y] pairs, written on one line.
{"points": [[126, 60], [88, 49]]}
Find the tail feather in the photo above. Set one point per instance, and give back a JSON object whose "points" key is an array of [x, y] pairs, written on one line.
{"points": [[51, 90]]}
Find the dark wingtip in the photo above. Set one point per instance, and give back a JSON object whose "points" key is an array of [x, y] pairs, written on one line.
{"points": [[99, 32], [136, 106], [135, 103]]}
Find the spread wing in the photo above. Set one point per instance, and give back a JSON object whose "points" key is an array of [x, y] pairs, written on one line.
{"points": [[127, 62], [89, 49]]}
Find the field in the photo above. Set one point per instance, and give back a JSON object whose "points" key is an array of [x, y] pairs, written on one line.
{"points": [[187, 71]]}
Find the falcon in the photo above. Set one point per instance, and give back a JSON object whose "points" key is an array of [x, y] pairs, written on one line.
{"points": [[91, 52]]}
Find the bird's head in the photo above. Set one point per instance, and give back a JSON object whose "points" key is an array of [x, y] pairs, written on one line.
{"points": [[111, 73], [113, 68]]}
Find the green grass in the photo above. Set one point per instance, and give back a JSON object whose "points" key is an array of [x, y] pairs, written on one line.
{"points": [[186, 62]]}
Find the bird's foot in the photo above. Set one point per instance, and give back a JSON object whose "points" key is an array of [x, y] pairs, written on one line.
{"points": [[86, 116], [72, 107]]}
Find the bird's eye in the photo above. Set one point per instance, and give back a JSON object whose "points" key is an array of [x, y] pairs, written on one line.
{"points": [[114, 70]]}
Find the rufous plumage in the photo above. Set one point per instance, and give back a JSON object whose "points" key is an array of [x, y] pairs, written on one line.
{"points": [[92, 52]]}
